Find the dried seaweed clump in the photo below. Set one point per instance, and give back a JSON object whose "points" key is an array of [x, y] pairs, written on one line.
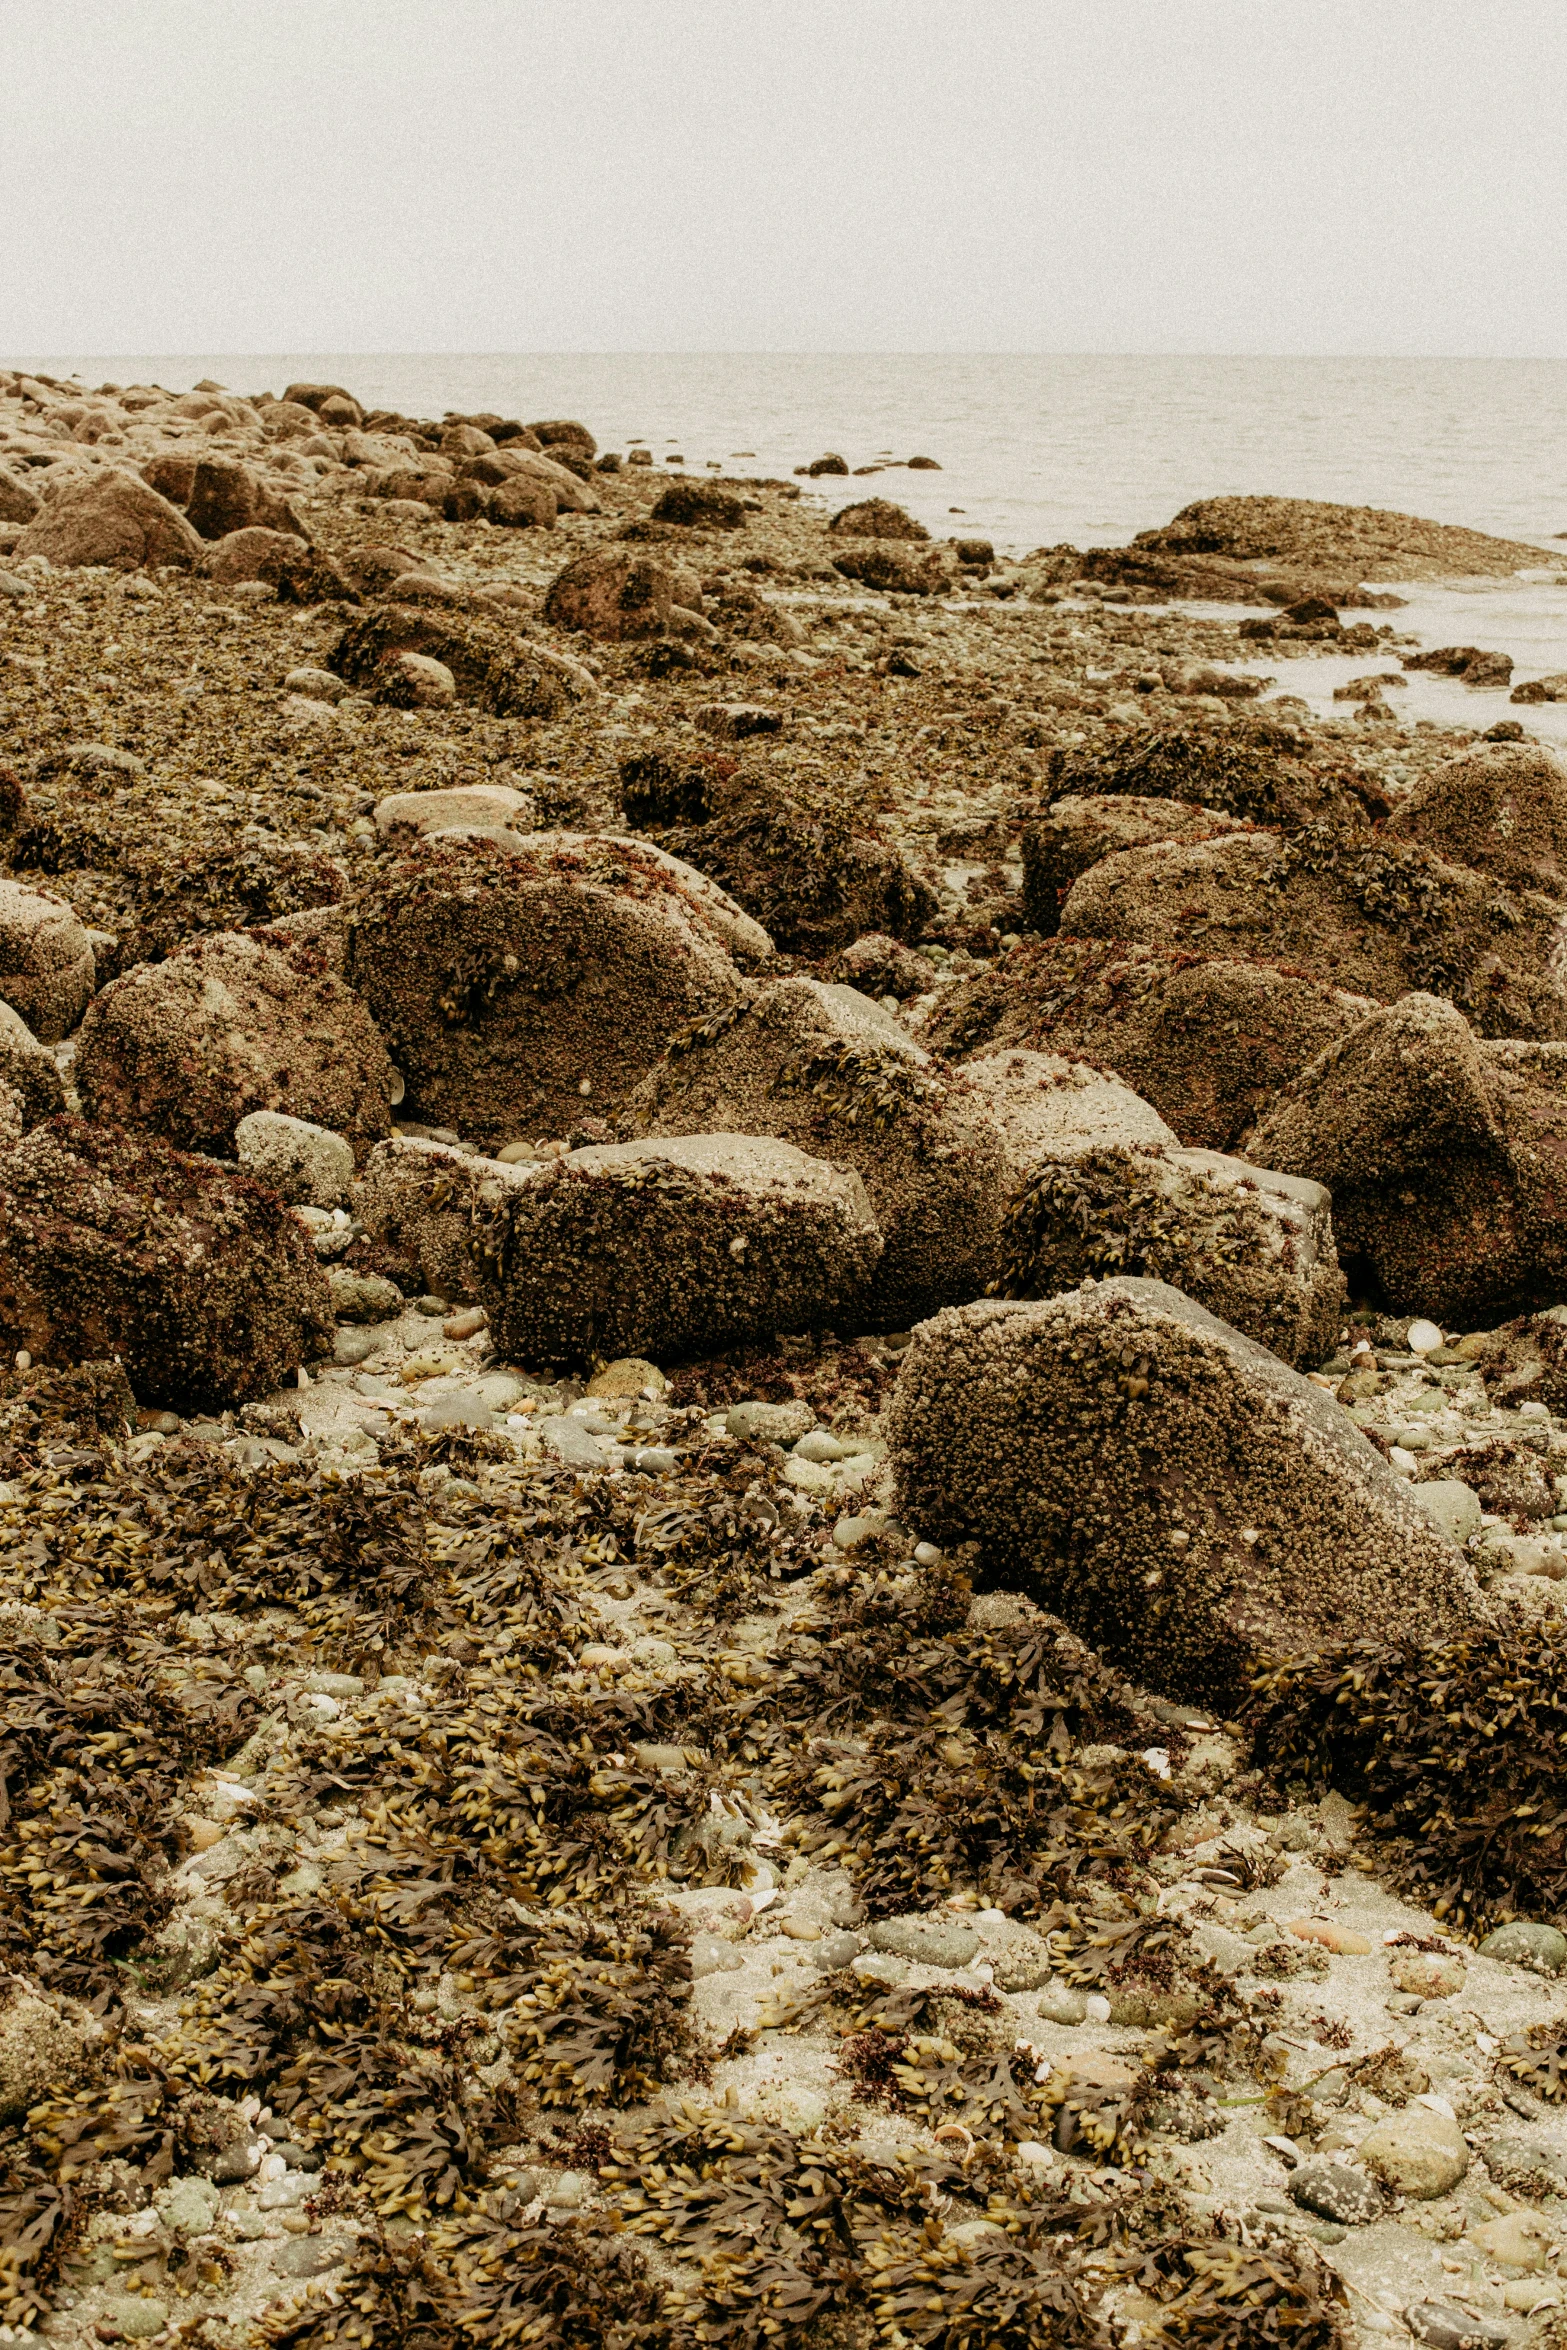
{"points": [[1228, 2296], [1126, 1211], [956, 1758], [1455, 1750]]}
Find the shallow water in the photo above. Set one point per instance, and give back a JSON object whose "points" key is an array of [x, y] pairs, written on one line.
{"points": [[1037, 450]]}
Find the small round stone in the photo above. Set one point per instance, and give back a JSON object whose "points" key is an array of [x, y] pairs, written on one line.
{"points": [[1335, 2192], [1540, 1948]]}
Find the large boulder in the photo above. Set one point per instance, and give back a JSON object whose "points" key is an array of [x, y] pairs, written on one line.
{"points": [[883, 563], [1444, 1155], [1078, 831], [517, 466], [1260, 772], [1353, 542], [499, 672], [1098, 1184], [201, 1281], [660, 1248], [1207, 1039], [814, 875], [828, 1070], [1376, 917], [46, 961], [29, 1069], [613, 595], [281, 560], [441, 1209], [876, 518], [1189, 1505], [18, 504], [226, 495], [112, 518], [227, 1025], [1502, 807], [522, 982]]}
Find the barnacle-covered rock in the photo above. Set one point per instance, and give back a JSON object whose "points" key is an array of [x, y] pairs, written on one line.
{"points": [[1256, 772], [658, 1248], [522, 981], [507, 675], [1366, 914], [442, 1209], [112, 518], [1501, 807], [46, 961], [1443, 1154], [44, 2043], [201, 1281], [1207, 1039], [28, 1068], [813, 874], [1098, 1184], [1169, 1487], [226, 1026], [828, 1070], [1077, 831], [612, 595]]}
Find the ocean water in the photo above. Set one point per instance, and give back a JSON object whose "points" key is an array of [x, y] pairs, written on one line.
{"points": [[1038, 450]]}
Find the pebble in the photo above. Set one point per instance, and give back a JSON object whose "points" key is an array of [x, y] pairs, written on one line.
{"points": [[1062, 2003], [354, 1345], [712, 1956], [1417, 2153], [572, 1444], [927, 1941], [1517, 2239], [569, 2190], [188, 2206], [137, 2319], [1343, 1940], [770, 1423], [306, 2256], [1443, 2326], [1335, 2192], [836, 1950], [467, 1324], [819, 1445], [287, 2193], [1451, 1505], [628, 1375], [1428, 1975], [1540, 1948]]}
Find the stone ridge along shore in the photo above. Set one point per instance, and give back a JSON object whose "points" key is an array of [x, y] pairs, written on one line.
{"points": [[783, 1430]]}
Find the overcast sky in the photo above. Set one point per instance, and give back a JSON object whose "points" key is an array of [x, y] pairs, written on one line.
{"points": [[1354, 176]]}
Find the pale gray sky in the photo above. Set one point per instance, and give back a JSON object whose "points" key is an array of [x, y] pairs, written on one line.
{"points": [[1357, 176]]}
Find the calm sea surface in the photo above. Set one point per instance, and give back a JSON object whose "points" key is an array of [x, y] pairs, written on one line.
{"points": [[1038, 450]]}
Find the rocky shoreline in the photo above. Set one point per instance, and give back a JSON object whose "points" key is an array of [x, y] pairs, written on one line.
{"points": [[781, 1475]]}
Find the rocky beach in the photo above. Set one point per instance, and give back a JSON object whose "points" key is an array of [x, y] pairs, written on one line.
{"points": [[783, 1440]]}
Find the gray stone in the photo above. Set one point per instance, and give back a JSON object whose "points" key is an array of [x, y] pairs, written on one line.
{"points": [[1525, 2167], [879, 1966], [1335, 2192], [1443, 2326], [1019, 1960], [351, 1346], [711, 1955], [136, 2319], [309, 1165], [570, 2189], [463, 1410], [834, 1951], [1452, 1506], [188, 2206], [286, 2193], [770, 1423], [928, 1941], [573, 1444], [1062, 2003], [306, 2256], [1540, 1948], [1419, 2152]]}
